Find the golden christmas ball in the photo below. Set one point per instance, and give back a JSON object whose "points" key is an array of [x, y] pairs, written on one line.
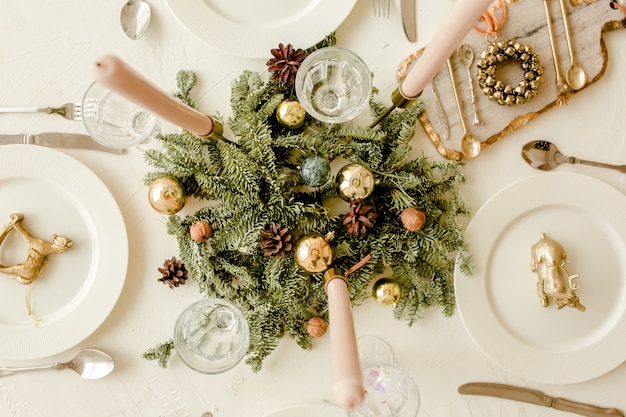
{"points": [[316, 327], [413, 219], [313, 253], [386, 292], [290, 113], [166, 195], [355, 182], [200, 231]]}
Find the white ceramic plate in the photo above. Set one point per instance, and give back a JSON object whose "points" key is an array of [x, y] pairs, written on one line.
{"points": [[77, 289], [312, 410], [499, 303], [251, 28]]}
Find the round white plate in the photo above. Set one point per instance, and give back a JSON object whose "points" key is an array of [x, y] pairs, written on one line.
{"points": [[77, 289], [251, 28], [499, 303], [312, 410]]}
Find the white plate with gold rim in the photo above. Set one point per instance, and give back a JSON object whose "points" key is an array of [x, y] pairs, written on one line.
{"points": [[499, 304], [251, 28], [77, 289]]}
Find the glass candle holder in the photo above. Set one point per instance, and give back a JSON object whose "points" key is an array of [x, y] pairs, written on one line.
{"points": [[211, 336], [114, 121], [333, 85]]}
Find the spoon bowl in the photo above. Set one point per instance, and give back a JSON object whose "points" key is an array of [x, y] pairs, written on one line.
{"points": [[576, 76], [135, 17], [87, 363], [544, 155]]}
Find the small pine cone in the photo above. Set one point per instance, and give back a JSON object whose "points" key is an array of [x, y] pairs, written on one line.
{"points": [[360, 218], [285, 63], [173, 273], [276, 240]]}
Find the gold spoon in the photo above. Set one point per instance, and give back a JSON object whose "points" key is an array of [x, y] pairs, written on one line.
{"points": [[562, 88], [575, 75], [470, 144], [544, 155]]}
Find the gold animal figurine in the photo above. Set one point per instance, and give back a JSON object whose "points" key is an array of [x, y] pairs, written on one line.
{"points": [[554, 282], [36, 256]]}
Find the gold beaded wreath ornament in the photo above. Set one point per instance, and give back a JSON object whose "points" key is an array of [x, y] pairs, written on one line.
{"points": [[499, 52]]}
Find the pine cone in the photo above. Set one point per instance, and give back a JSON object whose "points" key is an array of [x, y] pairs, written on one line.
{"points": [[285, 63], [360, 218], [276, 240], [174, 273]]}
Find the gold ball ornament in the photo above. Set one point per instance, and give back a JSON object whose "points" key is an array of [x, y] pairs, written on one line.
{"points": [[355, 182], [290, 113], [386, 292], [413, 219], [313, 253], [166, 195], [200, 231], [316, 327]]}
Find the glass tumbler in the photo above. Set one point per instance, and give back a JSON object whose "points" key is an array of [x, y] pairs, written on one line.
{"points": [[114, 121], [333, 85], [211, 336]]}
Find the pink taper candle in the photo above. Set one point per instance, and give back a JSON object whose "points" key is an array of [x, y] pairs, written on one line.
{"points": [[347, 388], [463, 15], [113, 73]]}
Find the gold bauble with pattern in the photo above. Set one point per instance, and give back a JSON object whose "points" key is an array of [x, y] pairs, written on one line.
{"points": [[355, 182], [313, 253], [386, 292], [166, 195]]}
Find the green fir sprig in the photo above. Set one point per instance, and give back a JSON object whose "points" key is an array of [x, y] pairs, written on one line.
{"points": [[254, 180]]}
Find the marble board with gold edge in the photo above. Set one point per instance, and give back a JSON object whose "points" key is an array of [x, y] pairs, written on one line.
{"points": [[525, 22]]}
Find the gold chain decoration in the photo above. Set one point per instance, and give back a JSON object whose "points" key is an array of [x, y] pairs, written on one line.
{"points": [[498, 52]]}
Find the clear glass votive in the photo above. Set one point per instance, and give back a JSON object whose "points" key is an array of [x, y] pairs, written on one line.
{"points": [[114, 121], [390, 391], [333, 85], [211, 336]]}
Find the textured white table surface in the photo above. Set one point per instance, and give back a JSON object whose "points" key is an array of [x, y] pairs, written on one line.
{"points": [[47, 49]]}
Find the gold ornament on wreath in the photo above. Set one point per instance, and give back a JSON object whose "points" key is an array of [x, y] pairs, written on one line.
{"points": [[499, 52]]}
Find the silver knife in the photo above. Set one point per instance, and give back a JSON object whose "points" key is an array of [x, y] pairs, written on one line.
{"points": [[57, 140], [532, 396], [409, 19]]}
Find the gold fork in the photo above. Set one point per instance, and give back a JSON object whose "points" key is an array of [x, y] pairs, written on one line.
{"points": [[381, 8], [71, 111]]}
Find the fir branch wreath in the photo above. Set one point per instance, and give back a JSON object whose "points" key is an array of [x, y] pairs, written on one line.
{"points": [[253, 182]]}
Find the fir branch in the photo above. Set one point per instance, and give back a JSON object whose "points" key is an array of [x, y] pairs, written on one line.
{"points": [[160, 353]]}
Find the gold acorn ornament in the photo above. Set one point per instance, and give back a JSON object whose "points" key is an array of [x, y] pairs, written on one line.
{"points": [[313, 253], [386, 292], [290, 113], [355, 182], [166, 195]]}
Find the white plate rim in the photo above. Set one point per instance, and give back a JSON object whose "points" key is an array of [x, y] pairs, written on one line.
{"points": [[504, 349], [235, 39], [88, 191]]}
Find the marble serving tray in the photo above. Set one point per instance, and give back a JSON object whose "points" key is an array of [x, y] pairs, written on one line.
{"points": [[525, 22]]}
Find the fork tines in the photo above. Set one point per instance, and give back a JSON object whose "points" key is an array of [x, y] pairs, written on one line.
{"points": [[381, 8]]}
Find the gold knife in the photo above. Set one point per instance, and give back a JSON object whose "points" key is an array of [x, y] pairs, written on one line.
{"points": [[409, 19], [57, 140], [532, 396]]}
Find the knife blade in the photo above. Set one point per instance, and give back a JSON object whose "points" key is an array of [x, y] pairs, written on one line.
{"points": [[532, 396], [409, 19], [57, 140]]}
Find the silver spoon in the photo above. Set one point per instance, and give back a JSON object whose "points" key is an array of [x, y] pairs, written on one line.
{"points": [[135, 17], [466, 56], [470, 144], [88, 363], [543, 155], [575, 74]]}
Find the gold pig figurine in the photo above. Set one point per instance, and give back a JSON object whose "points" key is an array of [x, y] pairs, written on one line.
{"points": [[554, 282]]}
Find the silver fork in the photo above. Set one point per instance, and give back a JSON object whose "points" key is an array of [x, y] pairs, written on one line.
{"points": [[71, 111], [381, 8]]}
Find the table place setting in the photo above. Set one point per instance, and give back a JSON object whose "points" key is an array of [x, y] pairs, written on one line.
{"points": [[284, 209]]}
